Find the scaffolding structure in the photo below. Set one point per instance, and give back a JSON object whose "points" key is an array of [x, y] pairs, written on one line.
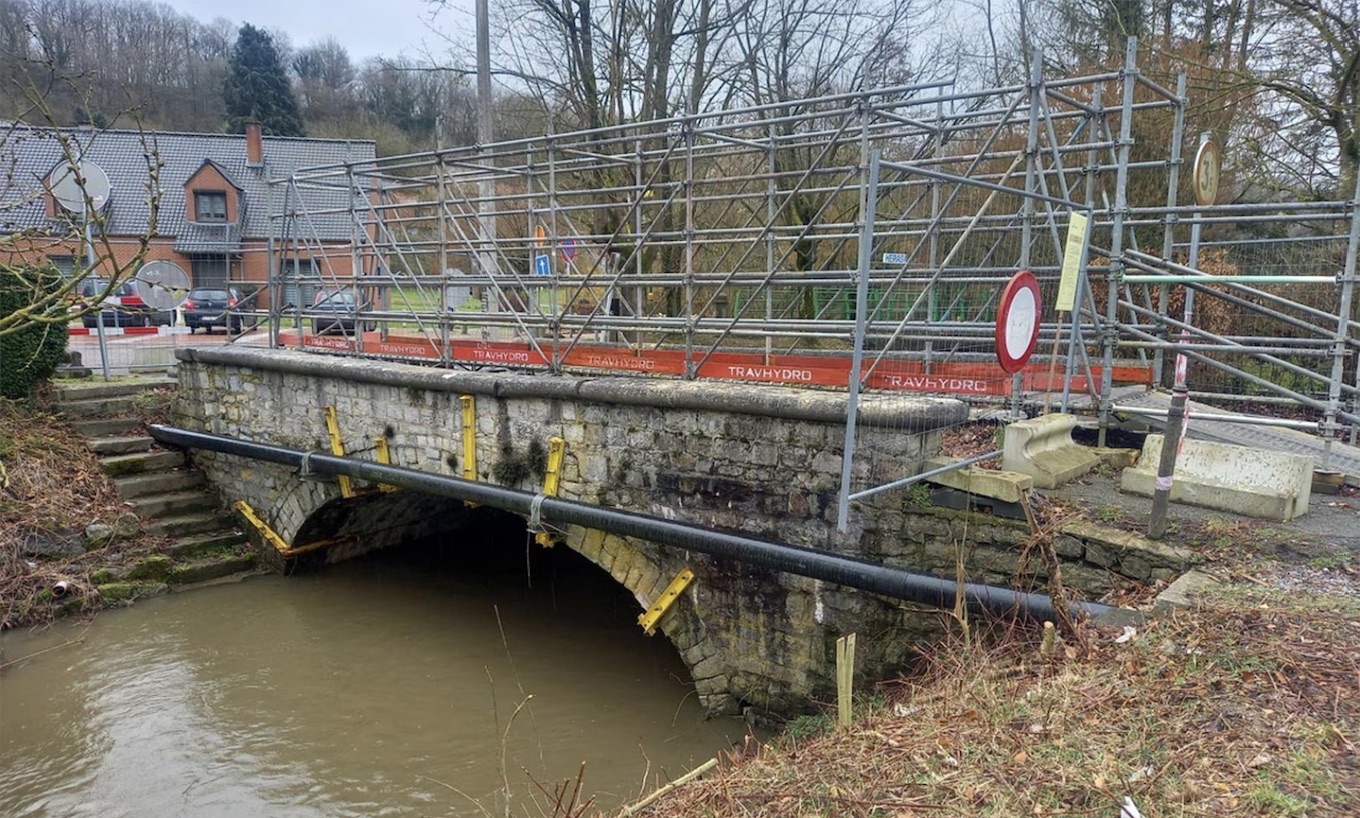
{"points": [[867, 232]]}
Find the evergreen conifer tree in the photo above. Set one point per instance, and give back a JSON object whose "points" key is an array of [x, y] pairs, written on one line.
{"points": [[257, 88]]}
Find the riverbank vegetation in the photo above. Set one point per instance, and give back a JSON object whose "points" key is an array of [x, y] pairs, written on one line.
{"points": [[61, 520], [1248, 705]]}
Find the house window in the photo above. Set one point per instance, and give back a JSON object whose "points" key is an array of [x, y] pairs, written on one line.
{"points": [[64, 264], [210, 206]]}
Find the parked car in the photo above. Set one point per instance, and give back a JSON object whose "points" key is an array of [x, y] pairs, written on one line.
{"points": [[208, 307], [121, 308], [342, 306]]}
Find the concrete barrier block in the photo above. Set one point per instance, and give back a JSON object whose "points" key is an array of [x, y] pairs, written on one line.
{"points": [[1042, 447], [1007, 486], [1251, 482]]}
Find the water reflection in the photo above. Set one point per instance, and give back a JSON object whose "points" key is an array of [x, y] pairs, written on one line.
{"points": [[378, 687]]}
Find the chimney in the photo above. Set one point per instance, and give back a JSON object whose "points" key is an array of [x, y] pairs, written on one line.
{"points": [[254, 145]]}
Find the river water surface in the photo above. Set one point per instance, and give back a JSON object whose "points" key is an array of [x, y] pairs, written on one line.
{"points": [[384, 686]]}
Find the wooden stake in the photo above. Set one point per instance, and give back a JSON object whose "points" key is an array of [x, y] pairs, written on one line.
{"points": [[845, 677]]}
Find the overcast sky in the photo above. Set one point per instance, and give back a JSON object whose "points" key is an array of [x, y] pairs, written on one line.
{"points": [[365, 28]]}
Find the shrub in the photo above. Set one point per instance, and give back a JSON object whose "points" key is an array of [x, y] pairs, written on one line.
{"points": [[32, 353]]}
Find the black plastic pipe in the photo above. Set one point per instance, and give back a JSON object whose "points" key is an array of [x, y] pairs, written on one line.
{"points": [[821, 565]]}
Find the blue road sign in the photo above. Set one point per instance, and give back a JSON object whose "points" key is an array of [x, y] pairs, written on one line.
{"points": [[542, 266]]}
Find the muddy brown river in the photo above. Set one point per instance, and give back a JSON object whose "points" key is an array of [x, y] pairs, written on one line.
{"points": [[404, 683]]}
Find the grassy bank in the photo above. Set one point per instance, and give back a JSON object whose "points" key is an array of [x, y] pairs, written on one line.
{"points": [[1246, 706]]}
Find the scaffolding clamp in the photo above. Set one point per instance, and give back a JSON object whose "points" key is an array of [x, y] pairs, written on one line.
{"points": [[648, 618], [552, 481], [338, 449]]}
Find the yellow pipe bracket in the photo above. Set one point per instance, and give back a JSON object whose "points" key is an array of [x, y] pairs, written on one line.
{"points": [[648, 619], [338, 449], [384, 457], [269, 534], [469, 441], [552, 480]]}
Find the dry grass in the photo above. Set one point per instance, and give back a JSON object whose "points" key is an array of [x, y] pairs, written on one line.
{"points": [[51, 488], [1250, 707], [973, 439]]}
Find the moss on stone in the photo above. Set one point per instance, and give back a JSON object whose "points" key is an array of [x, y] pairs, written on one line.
{"points": [[102, 576], [155, 567], [114, 593]]}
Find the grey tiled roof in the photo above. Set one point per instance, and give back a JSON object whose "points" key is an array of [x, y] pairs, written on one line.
{"points": [[28, 155]]}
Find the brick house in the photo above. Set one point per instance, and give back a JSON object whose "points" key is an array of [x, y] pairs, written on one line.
{"points": [[215, 202]]}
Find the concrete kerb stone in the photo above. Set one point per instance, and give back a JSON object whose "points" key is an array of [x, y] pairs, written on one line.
{"points": [[1251, 482], [1127, 553], [1042, 447], [1006, 486], [1182, 592]]}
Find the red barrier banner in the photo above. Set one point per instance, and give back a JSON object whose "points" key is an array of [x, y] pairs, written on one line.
{"points": [[952, 378]]}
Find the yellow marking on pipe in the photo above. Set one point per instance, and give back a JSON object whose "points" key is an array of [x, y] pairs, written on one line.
{"points": [[552, 480], [648, 619], [270, 536], [338, 449], [384, 457]]}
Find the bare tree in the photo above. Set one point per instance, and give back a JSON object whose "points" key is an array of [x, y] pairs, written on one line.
{"points": [[26, 246]]}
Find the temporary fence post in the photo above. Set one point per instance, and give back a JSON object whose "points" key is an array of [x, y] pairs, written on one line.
{"points": [[868, 211]]}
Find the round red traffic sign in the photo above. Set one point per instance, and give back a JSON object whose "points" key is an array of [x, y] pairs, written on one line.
{"points": [[1017, 321]]}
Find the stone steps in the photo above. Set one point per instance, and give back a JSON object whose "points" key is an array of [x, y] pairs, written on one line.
{"points": [[138, 485], [160, 505], [183, 525], [106, 427], [111, 407], [192, 572], [173, 501], [121, 445], [200, 544], [121, 388], [119, 465]]}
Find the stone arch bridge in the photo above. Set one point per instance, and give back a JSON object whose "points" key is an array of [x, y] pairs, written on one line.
{"points": [[761, 461]]}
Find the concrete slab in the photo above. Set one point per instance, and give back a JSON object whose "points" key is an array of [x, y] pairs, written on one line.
{"points": [[1252, 482], [1182, 592], [1007, 486], [1117, 458], [1042, 447]]}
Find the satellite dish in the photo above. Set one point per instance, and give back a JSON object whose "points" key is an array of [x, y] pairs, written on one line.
{"points": [[66, 189], [162, 285]]}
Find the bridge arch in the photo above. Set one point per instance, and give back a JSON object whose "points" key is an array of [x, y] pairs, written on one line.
{"points": [[344, 528]]}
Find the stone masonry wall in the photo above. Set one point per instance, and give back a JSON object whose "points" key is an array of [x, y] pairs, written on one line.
{"points": [[761, 461]]}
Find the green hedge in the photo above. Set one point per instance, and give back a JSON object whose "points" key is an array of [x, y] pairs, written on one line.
{"points": [[31, 354]]}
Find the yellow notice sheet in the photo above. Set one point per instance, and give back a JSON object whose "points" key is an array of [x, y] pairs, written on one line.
{"points": [[1077, 226]]}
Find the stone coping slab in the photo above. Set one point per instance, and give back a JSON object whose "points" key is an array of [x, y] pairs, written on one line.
{"points": [[1007, 486], [913, 414]]}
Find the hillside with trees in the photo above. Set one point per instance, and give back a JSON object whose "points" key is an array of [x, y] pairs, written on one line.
{"points": [[1277, 80]]}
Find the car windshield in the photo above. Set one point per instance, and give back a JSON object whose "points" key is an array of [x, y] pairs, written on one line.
{"points": [[96, 286], [212, 295], [339, 297]]}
